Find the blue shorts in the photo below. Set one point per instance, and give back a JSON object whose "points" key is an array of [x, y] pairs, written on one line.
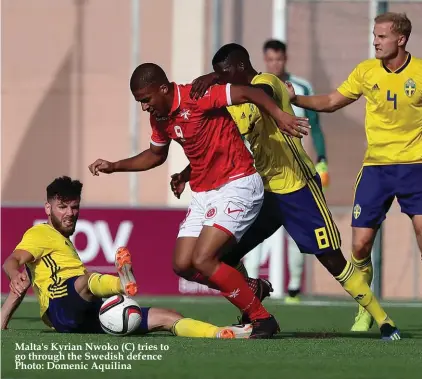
{"points": [[303, 213], [377, 186], [72, 314]]}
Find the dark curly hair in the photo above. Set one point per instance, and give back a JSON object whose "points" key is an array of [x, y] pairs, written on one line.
{"points": [[65, 189]]}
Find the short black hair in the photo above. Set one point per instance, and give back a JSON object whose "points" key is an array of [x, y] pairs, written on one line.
{"points": [[275, 44], [147, 74], [231, 50], [65, 189]]}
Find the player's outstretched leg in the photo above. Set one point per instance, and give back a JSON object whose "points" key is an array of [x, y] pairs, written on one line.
{"points": [[159, 319], [123, 262], [354, 283], [362, 242], [188, 327]]}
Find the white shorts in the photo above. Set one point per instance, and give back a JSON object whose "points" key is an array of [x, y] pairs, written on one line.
{"points": [[232, 208]]}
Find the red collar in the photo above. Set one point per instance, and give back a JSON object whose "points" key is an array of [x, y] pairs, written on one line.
{"points": [[176, 98]]}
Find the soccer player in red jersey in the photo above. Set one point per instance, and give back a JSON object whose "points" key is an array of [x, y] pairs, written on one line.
{"points": [[227, 192]]}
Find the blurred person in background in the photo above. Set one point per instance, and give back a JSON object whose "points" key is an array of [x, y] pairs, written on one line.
{"points": [[275, 57]]}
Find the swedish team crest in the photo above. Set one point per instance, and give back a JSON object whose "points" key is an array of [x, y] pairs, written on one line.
{"points": [[410, 87], [356, 211]]}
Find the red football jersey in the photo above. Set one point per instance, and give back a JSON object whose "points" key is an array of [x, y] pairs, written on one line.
{"points": [[208, 135]]}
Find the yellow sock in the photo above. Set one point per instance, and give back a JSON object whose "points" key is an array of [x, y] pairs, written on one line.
{"points": [[242, 269], [104, 285], [365, 267], [354, 283], [187, 327]]}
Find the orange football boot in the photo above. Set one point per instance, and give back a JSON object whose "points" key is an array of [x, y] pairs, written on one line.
{"points": [[123, 262]]}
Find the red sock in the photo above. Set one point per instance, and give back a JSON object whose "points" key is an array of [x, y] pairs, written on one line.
{"points": [[235, 289]]}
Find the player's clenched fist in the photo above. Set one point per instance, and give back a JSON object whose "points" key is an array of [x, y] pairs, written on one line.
{"points": [[177, 184], [101, 165]]}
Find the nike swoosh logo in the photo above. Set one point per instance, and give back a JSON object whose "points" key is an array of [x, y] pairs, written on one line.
{"points": [[234, 210]]}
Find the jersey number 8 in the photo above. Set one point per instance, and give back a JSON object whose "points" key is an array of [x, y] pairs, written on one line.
{"points": [[322, 238], [392, 98]]}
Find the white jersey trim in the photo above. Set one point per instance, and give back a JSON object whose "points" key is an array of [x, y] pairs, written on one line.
{"points": [[158, 143], [228, 94]]}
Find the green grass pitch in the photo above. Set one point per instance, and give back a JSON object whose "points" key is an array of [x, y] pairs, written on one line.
{"points": [[315, 342]]}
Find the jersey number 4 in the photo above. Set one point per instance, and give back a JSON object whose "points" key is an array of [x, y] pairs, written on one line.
{"points": [[392, 98]]}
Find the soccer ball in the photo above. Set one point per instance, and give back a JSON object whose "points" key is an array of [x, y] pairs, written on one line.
{"points": [[120, 315]]}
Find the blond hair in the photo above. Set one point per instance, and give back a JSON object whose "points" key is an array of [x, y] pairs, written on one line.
{"points": [[400, 23]]}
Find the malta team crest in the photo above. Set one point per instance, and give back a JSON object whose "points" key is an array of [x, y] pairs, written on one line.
{"points": [[410, 87], [356, 211]]}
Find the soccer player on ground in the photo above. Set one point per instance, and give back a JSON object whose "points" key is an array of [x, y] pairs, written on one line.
{"points": [[275, 57], [70, 297], [293, 192], [227, 190], [392, 167]]}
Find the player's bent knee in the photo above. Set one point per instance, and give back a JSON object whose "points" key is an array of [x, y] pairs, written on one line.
{"points": [[361, 249], [182, 268], [203, 261], [182, 264], [182, 256], [363, 240], [81, 283], [82, 287]]}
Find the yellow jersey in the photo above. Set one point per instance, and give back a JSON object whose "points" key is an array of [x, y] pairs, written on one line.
{"points": [[393, 120], [280, 160], [55, 260]]}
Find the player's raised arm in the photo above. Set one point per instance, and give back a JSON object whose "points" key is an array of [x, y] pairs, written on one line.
{"points": [[347, 93], [322, 103], [148, 159], [288, 124]]}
